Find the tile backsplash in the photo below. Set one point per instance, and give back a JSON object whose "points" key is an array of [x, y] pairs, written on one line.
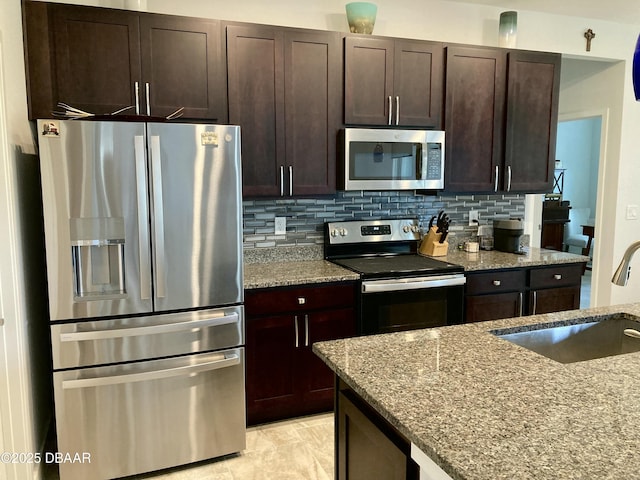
{"points": [[306, 217]]}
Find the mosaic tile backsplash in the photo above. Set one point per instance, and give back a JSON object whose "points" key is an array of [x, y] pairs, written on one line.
{"points": [[306, 217]]}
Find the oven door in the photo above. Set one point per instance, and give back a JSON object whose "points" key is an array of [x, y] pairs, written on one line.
{"points": [[393, 305]]}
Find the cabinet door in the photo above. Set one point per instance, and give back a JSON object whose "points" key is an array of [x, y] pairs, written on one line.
{"points": [[493, 307], [418, 82], [474, 116], [318, 379], [97, 57], [182, 64], [532, 120], [368, 80], [365, 450], [313, 100], [554, 300], [255, 66], [271, 353]]}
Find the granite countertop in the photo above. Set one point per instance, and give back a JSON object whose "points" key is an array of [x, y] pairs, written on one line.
{"points": [[490, 260], [279, 274], [484, 409], [284, 266]]}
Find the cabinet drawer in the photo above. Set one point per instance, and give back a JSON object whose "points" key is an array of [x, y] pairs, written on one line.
{"points": [[497, 281], [296, 299], [556, 276]]}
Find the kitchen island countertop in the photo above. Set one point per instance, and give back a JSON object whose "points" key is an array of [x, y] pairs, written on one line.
{"points": [[485, 409]]}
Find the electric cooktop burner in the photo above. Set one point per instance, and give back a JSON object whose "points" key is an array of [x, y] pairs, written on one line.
{"points": [[397, 266]]}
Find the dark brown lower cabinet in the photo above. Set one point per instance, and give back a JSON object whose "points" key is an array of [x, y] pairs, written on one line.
{"points": [[480, 308], [554, 300], [495, 294], [367, 445], [284, 378]]}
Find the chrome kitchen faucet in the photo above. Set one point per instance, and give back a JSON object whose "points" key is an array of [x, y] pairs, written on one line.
{"points": [[621, 277]]}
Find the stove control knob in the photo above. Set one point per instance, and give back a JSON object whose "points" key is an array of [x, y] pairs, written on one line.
{"points": [[334, 232], [406, 229], [343, 232], [415, 229]]}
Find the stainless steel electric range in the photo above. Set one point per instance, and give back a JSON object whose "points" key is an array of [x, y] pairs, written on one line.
{"points": [[399, 289]]}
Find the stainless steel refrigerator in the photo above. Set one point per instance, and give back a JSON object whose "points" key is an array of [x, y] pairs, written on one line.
{"points": [[143, 237]]}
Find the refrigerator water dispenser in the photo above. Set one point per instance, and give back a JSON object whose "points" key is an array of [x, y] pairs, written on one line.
{"points": [[97, 247]]}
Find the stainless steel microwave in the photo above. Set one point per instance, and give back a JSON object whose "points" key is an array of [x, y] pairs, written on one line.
{"points": [[391, 159]]}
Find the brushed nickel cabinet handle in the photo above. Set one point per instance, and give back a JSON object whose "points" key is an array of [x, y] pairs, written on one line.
{"points": [[557, 276], [508, 178], [390, 110], [295, 329], [397, 110], [148, 96], [495, 187], [520, 303], [535, 302], [306, 330], [282, 180], [290, 180], [497, 283], [136, 88]]}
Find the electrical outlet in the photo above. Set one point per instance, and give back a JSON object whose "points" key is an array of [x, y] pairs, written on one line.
{"points": [[632, 212], [280, 225], [474, 217]]}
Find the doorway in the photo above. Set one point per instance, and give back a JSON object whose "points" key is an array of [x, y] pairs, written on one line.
{"points": [[578, 152]]}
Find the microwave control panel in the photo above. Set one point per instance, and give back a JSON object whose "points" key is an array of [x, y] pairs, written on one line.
{"points": [[434, 161]]}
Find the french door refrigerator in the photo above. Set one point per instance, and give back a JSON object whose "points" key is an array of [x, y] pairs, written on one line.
{"points": [[143, 238]]}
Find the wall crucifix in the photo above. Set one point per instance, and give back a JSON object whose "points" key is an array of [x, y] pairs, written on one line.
{"points": [[589, 35]]}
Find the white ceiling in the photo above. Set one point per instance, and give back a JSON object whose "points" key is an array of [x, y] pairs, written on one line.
{"points": [[621, 11]]}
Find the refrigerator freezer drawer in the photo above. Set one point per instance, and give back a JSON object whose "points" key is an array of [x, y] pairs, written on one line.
{"points": [[101, 342], [138, 417]]}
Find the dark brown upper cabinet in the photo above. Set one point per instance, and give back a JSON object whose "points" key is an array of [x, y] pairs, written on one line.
{"points": [[501, 113], [285, 93], [393, 82], [102, 60]]}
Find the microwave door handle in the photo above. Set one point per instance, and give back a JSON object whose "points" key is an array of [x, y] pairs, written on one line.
{"points": [[390, 110], [143, 219], [158, 210]]}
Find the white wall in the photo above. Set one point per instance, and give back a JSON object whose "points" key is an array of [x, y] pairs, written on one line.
{"points": [[423, 19], [578, 148]]}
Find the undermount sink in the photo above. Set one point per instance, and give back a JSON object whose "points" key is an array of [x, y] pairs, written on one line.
{"points": [[585, 340]]}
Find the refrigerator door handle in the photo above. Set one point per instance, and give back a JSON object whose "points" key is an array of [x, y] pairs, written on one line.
{"points": [[222, 361], [158, 216], [143, 220], [213, 321]]}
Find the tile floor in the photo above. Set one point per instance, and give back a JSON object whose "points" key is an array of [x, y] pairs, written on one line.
{"points": [[298, 449]]}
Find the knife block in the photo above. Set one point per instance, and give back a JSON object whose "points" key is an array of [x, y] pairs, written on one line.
{"points": [[431, 245]]}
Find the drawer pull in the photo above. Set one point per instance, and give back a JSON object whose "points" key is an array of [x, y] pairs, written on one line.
{"points": [[497, 283], [302, 300], [557, 276]]}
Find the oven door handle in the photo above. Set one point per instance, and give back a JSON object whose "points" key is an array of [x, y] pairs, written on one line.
{"points": [[413, 283]]}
